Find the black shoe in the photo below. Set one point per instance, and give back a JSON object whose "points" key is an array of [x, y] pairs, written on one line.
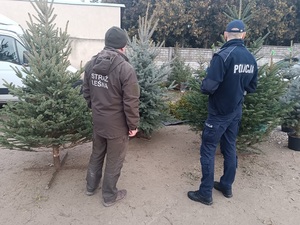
{"points": [[195, 196], [89, 193], [226, 192]]}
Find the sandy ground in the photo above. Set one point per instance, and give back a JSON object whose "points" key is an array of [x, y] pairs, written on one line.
{"points": [[157, 175]]}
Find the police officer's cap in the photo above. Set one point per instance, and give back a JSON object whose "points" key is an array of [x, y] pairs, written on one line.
{"points": [[236, 26]]}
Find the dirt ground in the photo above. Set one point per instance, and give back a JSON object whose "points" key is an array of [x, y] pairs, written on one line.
{"points": [[157, 175]]}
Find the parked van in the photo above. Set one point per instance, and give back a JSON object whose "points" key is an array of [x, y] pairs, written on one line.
{"points": [[12, 52]]}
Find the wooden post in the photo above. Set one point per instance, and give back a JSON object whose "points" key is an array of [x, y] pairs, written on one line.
{"points": [[56, 158]]}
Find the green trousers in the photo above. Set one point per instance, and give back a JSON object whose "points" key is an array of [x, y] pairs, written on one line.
{"points": [[114, 152]]}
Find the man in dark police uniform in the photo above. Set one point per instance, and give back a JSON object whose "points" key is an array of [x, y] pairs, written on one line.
{"points": [[231, 75]]}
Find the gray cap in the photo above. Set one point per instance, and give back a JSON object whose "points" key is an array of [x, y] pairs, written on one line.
{"points": [[115, 37]]}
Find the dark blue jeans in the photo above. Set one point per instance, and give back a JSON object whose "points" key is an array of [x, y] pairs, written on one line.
{"points": [[221, 129]]}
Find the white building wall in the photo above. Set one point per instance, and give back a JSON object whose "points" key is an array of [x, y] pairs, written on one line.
{"points": [[88, 23]]}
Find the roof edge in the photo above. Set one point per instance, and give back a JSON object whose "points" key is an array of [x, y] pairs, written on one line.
{"points": [[88, 3]]}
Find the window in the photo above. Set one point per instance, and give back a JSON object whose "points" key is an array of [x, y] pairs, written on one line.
{"points": [[21, 50], [11, 50]]}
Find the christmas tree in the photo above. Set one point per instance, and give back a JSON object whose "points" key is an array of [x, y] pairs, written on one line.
{"points": [[292, 99], [180, 73], [50, 112], [142, 52]]}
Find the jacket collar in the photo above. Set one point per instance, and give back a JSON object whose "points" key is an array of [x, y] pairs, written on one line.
{"points": [[234, 42], [115, 50]]}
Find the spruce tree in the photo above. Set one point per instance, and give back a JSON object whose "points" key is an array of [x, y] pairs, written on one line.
{"points": [[50, 112], [262, 110], [291, 100], [142, 53], [180, 72]]}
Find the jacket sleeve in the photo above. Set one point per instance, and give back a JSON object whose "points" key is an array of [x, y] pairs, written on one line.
{"points": [[86, 85], [131, 95], [215, 75], [253, 83]]}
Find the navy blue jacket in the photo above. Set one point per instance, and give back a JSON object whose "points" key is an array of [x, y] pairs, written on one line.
{"points": [[232, 73]]}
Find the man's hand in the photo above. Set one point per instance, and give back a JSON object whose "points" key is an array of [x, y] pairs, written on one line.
{"points": [[132, 133]]}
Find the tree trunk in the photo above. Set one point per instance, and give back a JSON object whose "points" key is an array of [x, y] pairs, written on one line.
{"points": [[58, 163], [56, 158]]}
